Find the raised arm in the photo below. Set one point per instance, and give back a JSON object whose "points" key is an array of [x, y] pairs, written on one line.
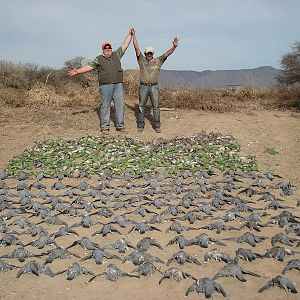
{"points": [[80, 70], [171, 50], [127, 40], [136, 45]]}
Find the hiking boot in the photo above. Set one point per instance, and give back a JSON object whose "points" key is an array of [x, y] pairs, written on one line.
{"points": [[140, 129], [105, 131], [158, 130], [122, 129]]}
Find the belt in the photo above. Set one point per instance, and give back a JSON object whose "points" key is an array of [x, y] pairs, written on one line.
{"points": [[110, 83], [148, 84]]}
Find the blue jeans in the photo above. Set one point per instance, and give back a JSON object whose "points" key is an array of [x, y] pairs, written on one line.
{"points": [[109, 93], [146, 91]]}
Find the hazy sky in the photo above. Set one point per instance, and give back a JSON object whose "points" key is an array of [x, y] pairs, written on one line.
{"points": [[213, 34]]}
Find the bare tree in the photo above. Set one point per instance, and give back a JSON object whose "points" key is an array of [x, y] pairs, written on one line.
{"points": [[75, 62], [290, 67]]}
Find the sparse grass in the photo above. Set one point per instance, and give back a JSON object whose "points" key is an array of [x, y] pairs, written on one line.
{"points": [[12, 97], [271, 151], [42, 95], [245, 99]]}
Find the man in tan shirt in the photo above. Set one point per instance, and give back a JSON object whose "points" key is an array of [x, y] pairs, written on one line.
{"points": [[149, 78]]}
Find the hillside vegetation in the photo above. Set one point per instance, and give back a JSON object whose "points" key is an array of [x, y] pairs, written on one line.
{"points": [[35, 86]]}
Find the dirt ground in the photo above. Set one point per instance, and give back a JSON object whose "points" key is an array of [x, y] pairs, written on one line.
{"points": [[256, 131]]}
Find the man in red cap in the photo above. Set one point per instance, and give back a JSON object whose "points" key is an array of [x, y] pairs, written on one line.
{"points": [[149, 77], [110, 75]]}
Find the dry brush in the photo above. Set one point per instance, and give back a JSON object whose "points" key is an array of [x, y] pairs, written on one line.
{"points": [[30, 85]]}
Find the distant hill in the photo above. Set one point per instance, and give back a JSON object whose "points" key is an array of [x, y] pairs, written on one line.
{"points": [[262, 77]]}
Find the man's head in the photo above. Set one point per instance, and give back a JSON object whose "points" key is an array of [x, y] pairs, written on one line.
{"points": [[107, 49], [149, 53]]}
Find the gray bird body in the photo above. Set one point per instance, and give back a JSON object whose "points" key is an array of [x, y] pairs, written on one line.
{"points": [[175, 274], [104, 212], [180, 240], [85, 243], [143, 227], [98, 255], [191, 217], [247, 254], [53, 220], [293, 228], [20, 254], [113, 273], [203, 240], [58, 253], [145, 243], [36, 269], [281, 282], [121, 221], [75, 270], [181, 258], [283, 239], [35, 230], [178, 228], [106, 229], [230, 216], [86, 222], [218, 227], [173, 210], [42, 242], [291, 265], [62, 231], [156, 219], [5, 266], [121, 245], [234, 270], [146, 269], [21, 222], [13, 213], [278, 253], [139, 257], [217, 255], [9, 239], [206, 286], [249, 238]]}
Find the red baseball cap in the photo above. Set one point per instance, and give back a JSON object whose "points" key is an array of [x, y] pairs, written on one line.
{"points": [[106, 44]]}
